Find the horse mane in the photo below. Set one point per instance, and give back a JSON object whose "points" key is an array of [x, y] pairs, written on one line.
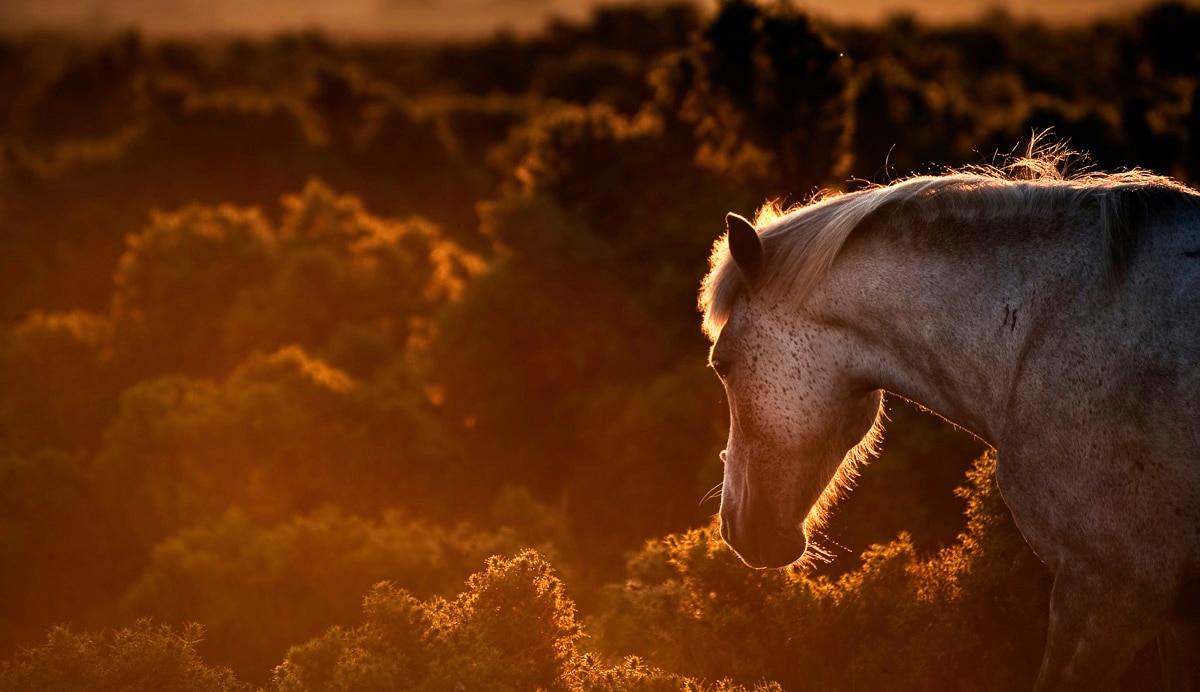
{"points": [[801, 242]]}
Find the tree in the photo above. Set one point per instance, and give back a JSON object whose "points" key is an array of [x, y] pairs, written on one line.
{"points": [[766, 94], [176, 280], [58, 381], [283, 433]]}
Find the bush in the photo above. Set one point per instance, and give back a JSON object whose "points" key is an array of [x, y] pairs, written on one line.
{"points": [[198, 289], [283, 433], [56, 549], [513, 629], [972, 617], [179, 276], [260, 588], [58, 384], [142, 657]]}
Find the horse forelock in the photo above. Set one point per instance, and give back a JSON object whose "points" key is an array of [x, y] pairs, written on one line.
{"points": [[718, 289], [801, 243]]}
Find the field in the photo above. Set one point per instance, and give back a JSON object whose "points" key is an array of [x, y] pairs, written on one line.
{"points": [[376, 365]]}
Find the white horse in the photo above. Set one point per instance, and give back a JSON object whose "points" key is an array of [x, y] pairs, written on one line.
{"points": [[1058, 319]]}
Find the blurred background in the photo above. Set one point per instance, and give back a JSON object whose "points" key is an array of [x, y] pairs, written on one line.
{"points": [[460, 18], [300, 297]]}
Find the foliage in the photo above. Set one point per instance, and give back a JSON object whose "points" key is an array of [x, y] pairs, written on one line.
{"points": [[282, 433], [765, 91], [223, 283], [260, 588], [286, 317], [53, 529], [142, 657], [972, 616], [513, 629], [58, 386], [179, 276]]}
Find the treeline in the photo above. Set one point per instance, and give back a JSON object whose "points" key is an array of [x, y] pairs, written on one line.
{"points": [[283, 320]]}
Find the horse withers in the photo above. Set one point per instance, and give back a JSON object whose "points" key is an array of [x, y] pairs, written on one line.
{"points": [[1058, 319]]}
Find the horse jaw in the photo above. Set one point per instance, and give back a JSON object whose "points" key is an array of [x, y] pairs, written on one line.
{"points": [[766, 519], [762, 530]]}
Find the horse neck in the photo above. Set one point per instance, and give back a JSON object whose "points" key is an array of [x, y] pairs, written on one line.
{"points": [[943, 315]]}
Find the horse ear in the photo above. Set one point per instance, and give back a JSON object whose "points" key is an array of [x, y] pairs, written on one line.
{"points": [[745, 246]]}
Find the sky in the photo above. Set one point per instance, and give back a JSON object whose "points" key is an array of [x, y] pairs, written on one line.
{"points": [[441, 18]]}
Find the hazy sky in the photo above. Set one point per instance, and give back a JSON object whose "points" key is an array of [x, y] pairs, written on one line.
{"points": [[442, 17]]}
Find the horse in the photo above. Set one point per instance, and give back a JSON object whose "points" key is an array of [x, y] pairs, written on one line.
{"points": [[1056, 317]]}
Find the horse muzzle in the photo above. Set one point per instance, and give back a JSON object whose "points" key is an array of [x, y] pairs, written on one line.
{"points": [[763, 546]]}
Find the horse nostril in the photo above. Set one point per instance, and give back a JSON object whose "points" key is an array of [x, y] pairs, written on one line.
{"points": [[722, 456]]}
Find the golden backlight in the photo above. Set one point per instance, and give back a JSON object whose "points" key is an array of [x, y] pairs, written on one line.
{"points": [[380, 359]]}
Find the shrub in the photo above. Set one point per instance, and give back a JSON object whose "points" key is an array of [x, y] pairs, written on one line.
{"points": [[55, 542], [283, 433], [58, 387], [971, 617], [513, 629], [198, 289], [178, 277], [259, 588], [142, 657]]}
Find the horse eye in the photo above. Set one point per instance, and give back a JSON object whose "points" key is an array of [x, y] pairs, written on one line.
{"points": [[722, 367]]}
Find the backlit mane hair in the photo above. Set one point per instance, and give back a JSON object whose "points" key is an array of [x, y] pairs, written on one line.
{"points": [[801, 243]]}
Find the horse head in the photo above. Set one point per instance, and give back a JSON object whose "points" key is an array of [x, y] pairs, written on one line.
{"points": [[795, 412]]}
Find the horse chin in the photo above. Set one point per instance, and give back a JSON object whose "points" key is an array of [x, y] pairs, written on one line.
{"points": [[770, 549]]}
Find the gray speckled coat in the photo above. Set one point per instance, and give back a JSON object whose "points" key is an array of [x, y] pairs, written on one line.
{"points": [[1057, 320]]}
